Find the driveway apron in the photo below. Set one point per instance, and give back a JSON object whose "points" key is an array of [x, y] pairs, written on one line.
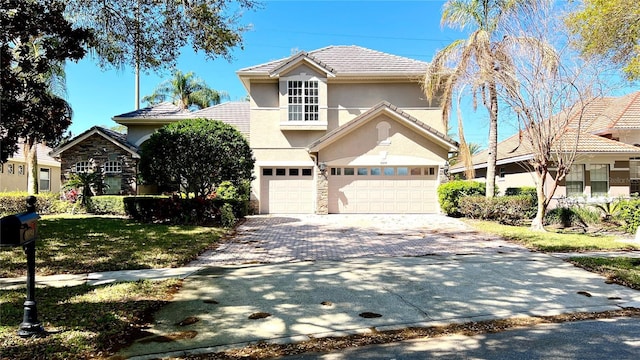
{"points": [[294, 278]]}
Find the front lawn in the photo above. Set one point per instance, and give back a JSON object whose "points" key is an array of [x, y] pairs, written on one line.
{"points": [[82, 322], [552, 241], [77, 244], [621, 270]]}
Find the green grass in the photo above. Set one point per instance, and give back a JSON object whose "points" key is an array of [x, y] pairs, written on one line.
{"points": [[552, 241], [622, 270], [82, 321], [71, 244]]}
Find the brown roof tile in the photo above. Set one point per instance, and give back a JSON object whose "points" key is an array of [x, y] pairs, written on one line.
{"points": [[351, 60], [234, 113]]}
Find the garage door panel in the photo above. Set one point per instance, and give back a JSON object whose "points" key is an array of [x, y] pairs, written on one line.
{"points": [[286, 194], [382, 194]]}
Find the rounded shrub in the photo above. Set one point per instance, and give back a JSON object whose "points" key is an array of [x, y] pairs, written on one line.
{"points": [[449, 194]]}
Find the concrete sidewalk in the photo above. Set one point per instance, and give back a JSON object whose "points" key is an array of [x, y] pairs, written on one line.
{"points": [[298, 301]]}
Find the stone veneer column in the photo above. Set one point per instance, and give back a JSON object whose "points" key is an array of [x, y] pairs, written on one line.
{"points": [[322, 190]]}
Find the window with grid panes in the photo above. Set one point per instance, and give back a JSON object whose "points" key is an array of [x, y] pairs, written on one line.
{"points": [[303, 100], [575, 180], [599, 180], [634, 172]]}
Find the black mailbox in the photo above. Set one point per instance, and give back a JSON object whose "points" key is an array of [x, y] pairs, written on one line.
{"points": [[19, 229]]}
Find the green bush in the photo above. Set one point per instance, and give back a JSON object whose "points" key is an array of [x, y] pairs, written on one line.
{"points": [[572, 216], [630, 214], [511, 210], [171, 210], [227, 216], [107, 204], [522, 190], [16, 202], [237, 196], [450, 193]]}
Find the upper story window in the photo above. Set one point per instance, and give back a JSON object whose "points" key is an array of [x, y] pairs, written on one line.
{"points": [[82, 166], [303, 100]]}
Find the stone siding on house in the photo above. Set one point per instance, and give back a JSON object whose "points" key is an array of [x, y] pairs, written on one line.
{"points": [[97, 150]]}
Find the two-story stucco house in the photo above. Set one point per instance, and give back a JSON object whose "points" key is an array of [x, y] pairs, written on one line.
{"points": [[344, 129], [608, 153]]}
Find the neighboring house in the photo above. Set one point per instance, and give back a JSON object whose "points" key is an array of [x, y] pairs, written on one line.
{"points": [[13, 173], [105, 149], [344, 129], [117, 154], [608, 160]]}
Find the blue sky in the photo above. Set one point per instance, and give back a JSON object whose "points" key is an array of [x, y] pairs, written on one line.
{"points": [[405, 28], [279, 28]]}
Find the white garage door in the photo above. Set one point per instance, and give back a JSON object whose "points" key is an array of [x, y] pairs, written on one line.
{"points": [[286, 191], [375, 189]]}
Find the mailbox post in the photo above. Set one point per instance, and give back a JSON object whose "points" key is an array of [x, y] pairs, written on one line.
{"points": [[21, 230]]}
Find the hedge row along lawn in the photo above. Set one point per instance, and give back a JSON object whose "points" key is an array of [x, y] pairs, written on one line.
{"points": [[552, 241], [82, 244]]}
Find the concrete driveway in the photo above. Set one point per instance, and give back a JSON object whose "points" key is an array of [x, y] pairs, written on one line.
{"points": [[369, 273], [276, 239]]}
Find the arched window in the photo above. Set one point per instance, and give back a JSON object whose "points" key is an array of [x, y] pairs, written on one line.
{"points": [[82, 166], [383, 133], [112, 167]]}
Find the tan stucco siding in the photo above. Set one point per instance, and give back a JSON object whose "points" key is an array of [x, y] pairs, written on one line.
{"points": [[405, 145], [264, 95], [137, 134], [18, 180], [629, 136]]}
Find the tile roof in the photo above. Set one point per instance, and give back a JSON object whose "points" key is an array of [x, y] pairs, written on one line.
{"points": [[350, 60], [42, 153], [234, 113], [165, 110], [116, 137], [382, 106], [610, 113]]}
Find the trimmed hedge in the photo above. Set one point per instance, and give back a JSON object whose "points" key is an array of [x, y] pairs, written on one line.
{"points": [[16, 202], [510, 210], [107, 204], [449, 194], [176, 210]]}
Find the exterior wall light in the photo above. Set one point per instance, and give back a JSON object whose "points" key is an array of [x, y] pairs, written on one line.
{"points": [[323, 167]]}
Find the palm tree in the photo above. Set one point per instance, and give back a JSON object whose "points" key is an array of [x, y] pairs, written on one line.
{"points": [[477, 62], [185, 91]]}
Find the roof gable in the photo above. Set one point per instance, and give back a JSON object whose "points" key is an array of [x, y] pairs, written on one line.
{"points": [[346, 60], [302, 58], [115, 137], [394, 113]]}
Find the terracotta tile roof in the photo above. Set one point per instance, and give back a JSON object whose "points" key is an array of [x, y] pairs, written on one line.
{"points": [[350, 60], [346, 128], [599, 117], [165, 110], [234, 113]]}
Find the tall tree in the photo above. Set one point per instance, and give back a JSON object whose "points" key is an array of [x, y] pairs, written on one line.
{"points": [[609, 29], [185, 91], [550, 91], [28, 107], [150, 34], [477, 62]]}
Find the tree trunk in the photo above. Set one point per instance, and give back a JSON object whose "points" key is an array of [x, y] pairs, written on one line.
{"points": [[538, 222], [31, 159], [493, 140]]}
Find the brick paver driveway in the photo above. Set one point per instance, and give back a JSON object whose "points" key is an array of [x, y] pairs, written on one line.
{"points": [[273, 239]]}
